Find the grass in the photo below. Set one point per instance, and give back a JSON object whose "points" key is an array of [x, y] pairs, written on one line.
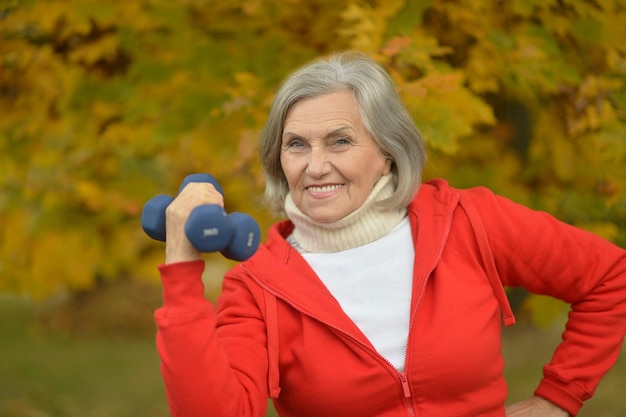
{"points": [[80, 378], [44, 374], [50, 375]]}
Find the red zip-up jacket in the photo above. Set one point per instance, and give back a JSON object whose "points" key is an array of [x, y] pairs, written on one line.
{"points": [[277, 331]]}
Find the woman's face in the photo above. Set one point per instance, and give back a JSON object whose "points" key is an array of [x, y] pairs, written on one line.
{"points": [[328, 157]]}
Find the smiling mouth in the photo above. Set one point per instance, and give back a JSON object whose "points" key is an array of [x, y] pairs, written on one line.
{"points": [[324, 189]]}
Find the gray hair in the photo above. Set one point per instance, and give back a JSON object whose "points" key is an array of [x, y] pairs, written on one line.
{"points": [[382, 110]]}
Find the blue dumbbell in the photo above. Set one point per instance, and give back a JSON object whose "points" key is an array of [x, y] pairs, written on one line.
{"points": [[208, 228]]}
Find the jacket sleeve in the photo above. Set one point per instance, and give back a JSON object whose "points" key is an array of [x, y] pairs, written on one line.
{"points": [[545, 256], [210, 369]]}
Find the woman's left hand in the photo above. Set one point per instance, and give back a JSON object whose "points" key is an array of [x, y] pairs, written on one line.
{"points": [[535, 407]]}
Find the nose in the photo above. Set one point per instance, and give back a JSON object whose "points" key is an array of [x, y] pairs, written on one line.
{"points": [[319, 163]]}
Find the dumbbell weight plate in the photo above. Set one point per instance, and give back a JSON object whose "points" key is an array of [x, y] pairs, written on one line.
{"points": [[153, 216], [246, 237], [208, 228]]}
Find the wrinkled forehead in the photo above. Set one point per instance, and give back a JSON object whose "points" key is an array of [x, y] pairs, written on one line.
{"points": [[324, 113]]}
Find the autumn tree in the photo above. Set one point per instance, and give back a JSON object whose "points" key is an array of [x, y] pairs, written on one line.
{"points": [[105, 103]]}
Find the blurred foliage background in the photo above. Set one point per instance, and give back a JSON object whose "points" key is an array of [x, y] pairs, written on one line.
{"points": [[105, 103]]}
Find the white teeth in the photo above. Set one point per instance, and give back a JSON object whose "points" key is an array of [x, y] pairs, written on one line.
{"points": [[323, 189]]}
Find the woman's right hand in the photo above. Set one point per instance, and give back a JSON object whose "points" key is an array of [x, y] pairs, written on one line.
{"points": [[177, 246], [535, 407]]}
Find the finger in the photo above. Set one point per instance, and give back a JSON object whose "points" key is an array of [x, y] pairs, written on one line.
{"points": [[199, 193]]}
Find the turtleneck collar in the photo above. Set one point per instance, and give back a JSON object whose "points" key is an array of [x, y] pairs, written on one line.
{"points": [[362, 226]]}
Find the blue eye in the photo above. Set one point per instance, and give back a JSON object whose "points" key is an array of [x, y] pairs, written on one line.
{"points": [[294, 144], [341, 141]]}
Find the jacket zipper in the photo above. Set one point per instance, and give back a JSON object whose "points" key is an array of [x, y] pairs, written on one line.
{"points": [[407, 394], [404, 380], [403, 376]]}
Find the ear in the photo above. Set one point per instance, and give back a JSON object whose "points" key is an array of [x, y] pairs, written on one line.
{"points": [[388, 164]]}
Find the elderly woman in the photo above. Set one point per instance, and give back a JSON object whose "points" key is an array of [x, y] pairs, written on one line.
{"points": [[380, 295]]}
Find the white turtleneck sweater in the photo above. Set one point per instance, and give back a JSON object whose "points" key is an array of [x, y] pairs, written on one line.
{"points": [[366, 262]]}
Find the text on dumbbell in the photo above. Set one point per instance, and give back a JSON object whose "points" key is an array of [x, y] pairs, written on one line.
{"points": [[210, 232]]}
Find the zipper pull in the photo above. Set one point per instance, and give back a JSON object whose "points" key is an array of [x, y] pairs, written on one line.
{"points": [[405, 385]]}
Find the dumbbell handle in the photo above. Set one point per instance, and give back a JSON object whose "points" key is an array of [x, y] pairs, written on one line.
{"points": [[153, 213]]}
